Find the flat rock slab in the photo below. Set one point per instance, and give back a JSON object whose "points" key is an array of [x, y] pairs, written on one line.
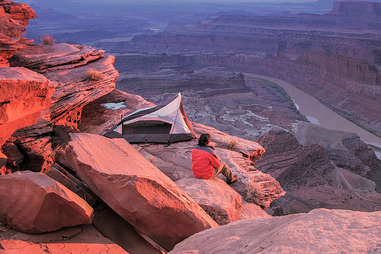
{"points": [[175, 160], [135, 189], [59, 56], [34, 203], [217, 198], [319, 231], [81, 239]]}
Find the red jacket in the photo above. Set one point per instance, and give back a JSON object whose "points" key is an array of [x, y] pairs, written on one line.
{"points": [[204, 162]]}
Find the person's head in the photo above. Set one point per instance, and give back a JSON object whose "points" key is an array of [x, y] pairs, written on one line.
{"points": [[204, 140]]}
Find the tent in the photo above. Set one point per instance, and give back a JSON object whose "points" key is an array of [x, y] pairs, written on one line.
{"points": [[166, 123]]}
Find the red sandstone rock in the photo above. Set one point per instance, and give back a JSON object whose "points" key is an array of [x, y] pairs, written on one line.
{"points": [[60, 56], [81, 239], [98, 118], [13, 154], [73, 90], [36, 143], [24, 95], [222, 140], [14, 18], [175, 160], [217, 198], [319, 231], [64, 177], [254, 185], [67, 66], [252, 211], [134, 188], [35, 203], [111, 225]]}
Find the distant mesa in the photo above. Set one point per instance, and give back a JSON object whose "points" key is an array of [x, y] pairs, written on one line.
{"points": [[356, 8]]}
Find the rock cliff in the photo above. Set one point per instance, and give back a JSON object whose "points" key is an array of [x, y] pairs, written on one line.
{"points": [[318, 174], [66, 72], [24, 96]]}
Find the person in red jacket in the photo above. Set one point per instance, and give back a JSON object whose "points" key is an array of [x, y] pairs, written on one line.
{"points": [[206, 164]]}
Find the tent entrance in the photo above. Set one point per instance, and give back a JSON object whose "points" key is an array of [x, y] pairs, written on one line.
{"points": [[147, 127]]}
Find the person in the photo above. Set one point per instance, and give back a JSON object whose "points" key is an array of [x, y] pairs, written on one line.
{"points": [[206, 164]]}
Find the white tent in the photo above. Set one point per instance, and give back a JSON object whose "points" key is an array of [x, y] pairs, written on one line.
{"points": [[161, 124]]}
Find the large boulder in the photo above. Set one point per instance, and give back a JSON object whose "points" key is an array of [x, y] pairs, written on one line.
{"points": [[134, 188], [81, 239], [34, 203], [319, 231], [217, 198]]}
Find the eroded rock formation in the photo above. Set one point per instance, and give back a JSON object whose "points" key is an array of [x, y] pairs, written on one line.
{"points": [[313, 175], [73, 76], [24, 96]]}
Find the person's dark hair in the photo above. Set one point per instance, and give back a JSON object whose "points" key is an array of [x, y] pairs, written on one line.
{"points": [[204, 140]]}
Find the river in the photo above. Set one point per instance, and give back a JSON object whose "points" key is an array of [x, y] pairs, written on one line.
{"points": [[318, 113]]}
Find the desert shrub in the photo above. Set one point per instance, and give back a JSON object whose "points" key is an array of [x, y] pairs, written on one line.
{"points": [[231, 144], [93, 75], [47, 39]]}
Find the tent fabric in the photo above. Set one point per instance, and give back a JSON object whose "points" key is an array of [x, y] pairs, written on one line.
{"points": [[156, 124]]}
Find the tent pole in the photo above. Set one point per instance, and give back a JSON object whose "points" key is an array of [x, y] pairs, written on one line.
{"points": [[177, 114]]}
